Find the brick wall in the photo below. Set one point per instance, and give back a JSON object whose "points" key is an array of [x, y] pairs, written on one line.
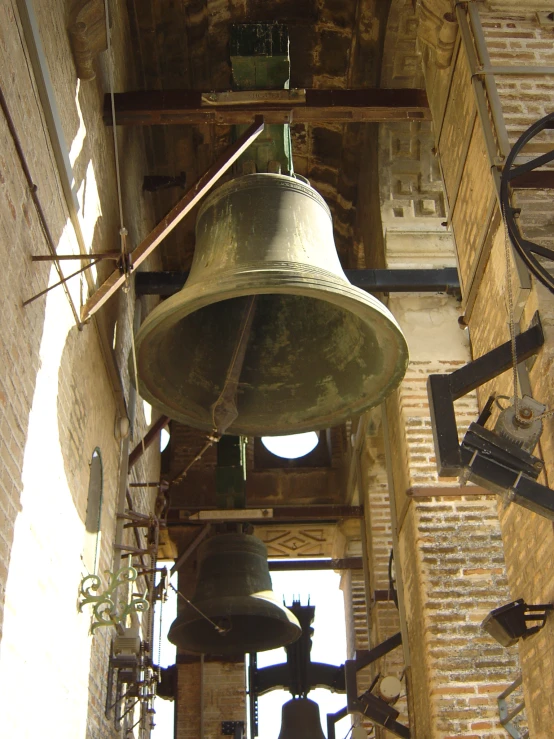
{"points": [[57, 399], [383, 614], [513, 37], [223, 697], [450, 547], [453, 565]]}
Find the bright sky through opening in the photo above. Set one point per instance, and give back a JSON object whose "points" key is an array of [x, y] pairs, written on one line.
{"points": [[291, 447]]}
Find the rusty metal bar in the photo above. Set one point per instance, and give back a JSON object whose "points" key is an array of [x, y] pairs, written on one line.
{"points": [[199, 538], [175, 216], [60, 257], [60, 282], [171, 107], [148, 439], [300, 565], [431, 491], [310, 513]]}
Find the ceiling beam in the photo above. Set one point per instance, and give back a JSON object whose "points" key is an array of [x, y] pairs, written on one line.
{"points": [[173, 107], [270, 515]]}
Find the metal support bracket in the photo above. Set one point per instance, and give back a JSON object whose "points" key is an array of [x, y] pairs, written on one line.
{"points": [[483, 457], [368, 704], [507, 714]]}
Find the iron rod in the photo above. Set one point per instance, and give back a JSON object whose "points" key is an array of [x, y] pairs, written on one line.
{"points": [[301, 565], [61, 257], [57, 284], [174, 217], [151, 435]]}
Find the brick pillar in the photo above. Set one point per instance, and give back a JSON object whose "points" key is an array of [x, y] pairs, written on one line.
{"points": [[450, 546], [222, 697], [515, 35]]}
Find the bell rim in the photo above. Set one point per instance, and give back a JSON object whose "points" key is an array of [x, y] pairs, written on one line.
{"points": [[212, 609], [297, 280]]}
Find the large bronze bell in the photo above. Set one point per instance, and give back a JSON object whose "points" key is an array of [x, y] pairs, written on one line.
{"points": [[234, 592], [300, 720], [318, 350]]}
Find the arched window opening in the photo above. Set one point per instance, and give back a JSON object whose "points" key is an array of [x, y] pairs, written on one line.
{"points": [[94, 513], [293, 446]]}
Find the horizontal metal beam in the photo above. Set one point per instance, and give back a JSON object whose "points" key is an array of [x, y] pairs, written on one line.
{"points": [[174, 107], [300, 565], [373, 280]]}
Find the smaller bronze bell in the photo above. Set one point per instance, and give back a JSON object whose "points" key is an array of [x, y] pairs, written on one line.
{"points": [[234, 609], [300, 720]]}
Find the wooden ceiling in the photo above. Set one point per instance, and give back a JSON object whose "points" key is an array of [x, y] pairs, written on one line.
{"points": [[180, 44]]}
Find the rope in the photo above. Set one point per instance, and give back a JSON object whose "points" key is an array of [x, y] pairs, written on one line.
{"points": [[214, 438], [219, 629]]}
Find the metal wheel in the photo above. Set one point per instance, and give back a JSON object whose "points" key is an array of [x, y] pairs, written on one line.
{"points": [[528, 176]]}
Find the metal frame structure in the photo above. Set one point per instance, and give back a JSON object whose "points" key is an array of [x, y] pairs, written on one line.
{"points": [[484, 457], [368, 704], [508, 715], [299, 675], [175, 216]]}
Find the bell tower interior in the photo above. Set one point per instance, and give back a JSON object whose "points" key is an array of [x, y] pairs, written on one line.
{"points": [[229, 222]]}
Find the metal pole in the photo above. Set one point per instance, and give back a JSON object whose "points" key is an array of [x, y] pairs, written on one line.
{"points": [[57, 284], [124, 468], [395, 541]]}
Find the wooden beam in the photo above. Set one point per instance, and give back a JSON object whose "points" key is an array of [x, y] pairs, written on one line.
{"points": [[175, 216], [262, 516], [301, 565], [436, 491], [172, 107]]}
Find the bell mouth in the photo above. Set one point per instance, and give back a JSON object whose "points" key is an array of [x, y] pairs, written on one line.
{"points": [[319, 352], [247, 624]]}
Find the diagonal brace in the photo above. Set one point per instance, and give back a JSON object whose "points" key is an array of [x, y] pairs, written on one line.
{"points": [[175, 216]]}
